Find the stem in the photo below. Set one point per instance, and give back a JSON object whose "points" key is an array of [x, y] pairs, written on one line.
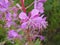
{"points": [[23, 7], [28, 36], [30, 5], [29, 40], [19, 6]]}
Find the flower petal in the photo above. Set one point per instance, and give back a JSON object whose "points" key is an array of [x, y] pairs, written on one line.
{"points": [[42, 0], [42, 37], [40, 7], [24, 26], [34, 12], [23, 15], [8, 16], [37, 20], [40, 22], [6, 1]]}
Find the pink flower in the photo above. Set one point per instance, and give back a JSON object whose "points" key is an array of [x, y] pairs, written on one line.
{"points": [[42, 37], [42, 0], [12, 34], [10, 19], [39, 5], [32, 21], [4, 4], [8, 16]]}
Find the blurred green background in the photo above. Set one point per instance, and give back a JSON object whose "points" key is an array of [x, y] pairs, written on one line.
{"points": [[52, 33]]}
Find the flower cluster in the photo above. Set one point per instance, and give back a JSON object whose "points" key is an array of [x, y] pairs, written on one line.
{"points": [[12, 34], [11, 18], [30, 22], [33, 21]]}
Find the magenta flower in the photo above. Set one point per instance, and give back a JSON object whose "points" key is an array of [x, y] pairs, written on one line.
{"points": [[32, 21], [12, 34], [4, 4], [39, 36], [42, 0], [9, 20], [42, 37], [15, 11], [14, 16], [8, 16], [39, 5]]}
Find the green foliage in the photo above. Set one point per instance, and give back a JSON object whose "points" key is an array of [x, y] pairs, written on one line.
{"points": [[2, 22], [27, 3], [8, 43], [37, 42], [16, 1], [53, 13], [2, 34], [18, 42]]}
